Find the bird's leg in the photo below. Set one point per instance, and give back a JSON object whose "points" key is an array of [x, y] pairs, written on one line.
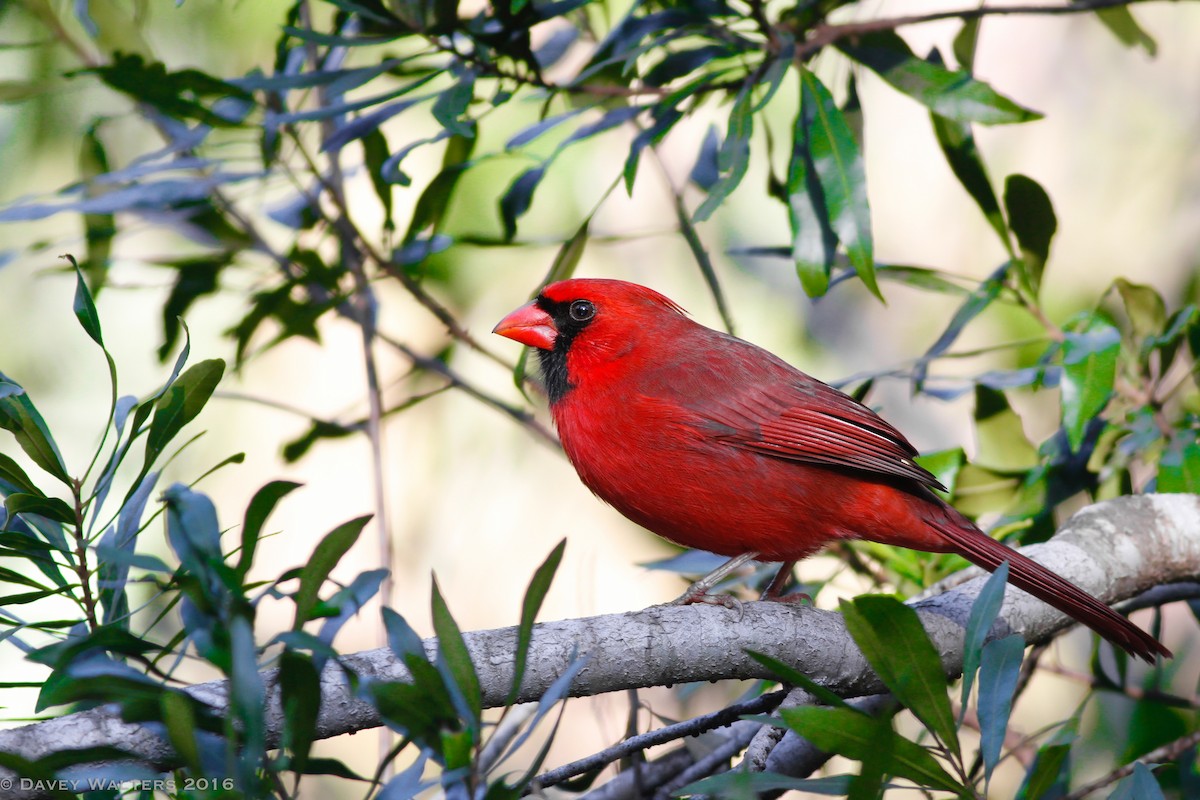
{"points": [[775, 590], [698, 591]]}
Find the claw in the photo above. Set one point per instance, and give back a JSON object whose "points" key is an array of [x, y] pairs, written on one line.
{"points": [[695, 595]]}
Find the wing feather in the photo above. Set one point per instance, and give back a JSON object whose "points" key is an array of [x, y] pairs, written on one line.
{"points": [[807, 421]]}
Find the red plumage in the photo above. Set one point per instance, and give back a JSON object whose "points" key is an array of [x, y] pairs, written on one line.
{"points": [[715, 443]]}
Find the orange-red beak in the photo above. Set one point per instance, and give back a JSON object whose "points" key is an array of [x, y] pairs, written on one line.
{"points": [[529, 325]]}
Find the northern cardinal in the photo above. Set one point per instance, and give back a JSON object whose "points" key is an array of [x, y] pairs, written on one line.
{"points": [[714, 443]]}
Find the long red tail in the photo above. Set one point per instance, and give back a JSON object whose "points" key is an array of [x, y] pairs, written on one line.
{"points": [[1025, 573]]}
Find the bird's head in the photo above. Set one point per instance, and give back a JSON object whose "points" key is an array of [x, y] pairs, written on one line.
{"points": [[581, 325]]}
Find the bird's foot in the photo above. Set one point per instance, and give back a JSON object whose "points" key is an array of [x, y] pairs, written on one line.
{"points": [[791, 598], [697, 593]]}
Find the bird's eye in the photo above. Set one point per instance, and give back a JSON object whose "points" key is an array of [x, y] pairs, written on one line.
{"points": [[582, 310]]}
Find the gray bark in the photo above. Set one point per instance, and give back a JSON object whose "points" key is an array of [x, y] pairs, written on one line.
{"points": [[1116, 550]]}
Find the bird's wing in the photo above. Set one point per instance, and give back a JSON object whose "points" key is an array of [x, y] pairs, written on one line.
{"points": [[802, 419]]}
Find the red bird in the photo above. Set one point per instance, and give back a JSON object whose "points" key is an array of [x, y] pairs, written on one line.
{"points": [[715, 443]]}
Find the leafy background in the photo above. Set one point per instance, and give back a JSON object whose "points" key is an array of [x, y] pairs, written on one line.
{"points": [[471, 495]]}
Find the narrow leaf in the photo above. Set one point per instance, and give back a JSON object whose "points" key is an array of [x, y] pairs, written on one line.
{"points": [[984, 611], [20, 417], [838, 162], [966, 162], [814, 243], [518, 197], [85, 307], [894, 642], [998, 673], [534, 595], [950, 93], [300, 698], [1089, 373], [325, 557], [261, 506], [454, 660], [1032, 219], [855, 735], [180, 404]]}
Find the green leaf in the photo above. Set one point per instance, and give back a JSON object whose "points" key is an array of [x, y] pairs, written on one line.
{"points": [[430, 210], [1089, 372], [48, 507], [789, 674], [855, 735], [984, 611], [534, 595], [1179, 467], [1002, 445], [246, 694], [998, 673], [814, 243], [1145, 308], [953, 94], [452, 103], [838, 163], [375, 153], [966, 162], [169, 92], [518, 197], [1138, 785], [895, 643], [195, 278], [945, 465], [454, 660], [11, 473], [85, 307], [325, 557], [965, 42], [733, 159], [1032, 220], [180, 404], [1048, 772], [401, 637], [300, 698], [20, 417], [261, 506], [179, 718], [971, 307], [739, 783], [1121, 22]]}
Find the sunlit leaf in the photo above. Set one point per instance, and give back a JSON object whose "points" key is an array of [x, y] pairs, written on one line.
{"points": [[327, 554], [1089, 372], [838, 163], [454, 660], [534, 595], [895, 643], [950, 93], [19, 416], [855, 735], [180, 404]]}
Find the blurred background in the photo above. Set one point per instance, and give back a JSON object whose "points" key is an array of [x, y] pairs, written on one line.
{"points": [[472, 496]]}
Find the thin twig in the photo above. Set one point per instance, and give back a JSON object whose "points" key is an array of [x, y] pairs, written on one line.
{"points": [[1168, 752], [668, 733], [825, 34]]}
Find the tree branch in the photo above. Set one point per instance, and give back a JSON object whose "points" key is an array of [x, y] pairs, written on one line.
{"points": [[1115, 550]]}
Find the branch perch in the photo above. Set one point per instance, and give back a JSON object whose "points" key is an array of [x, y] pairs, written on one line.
{"points": [[1116, 550]]}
